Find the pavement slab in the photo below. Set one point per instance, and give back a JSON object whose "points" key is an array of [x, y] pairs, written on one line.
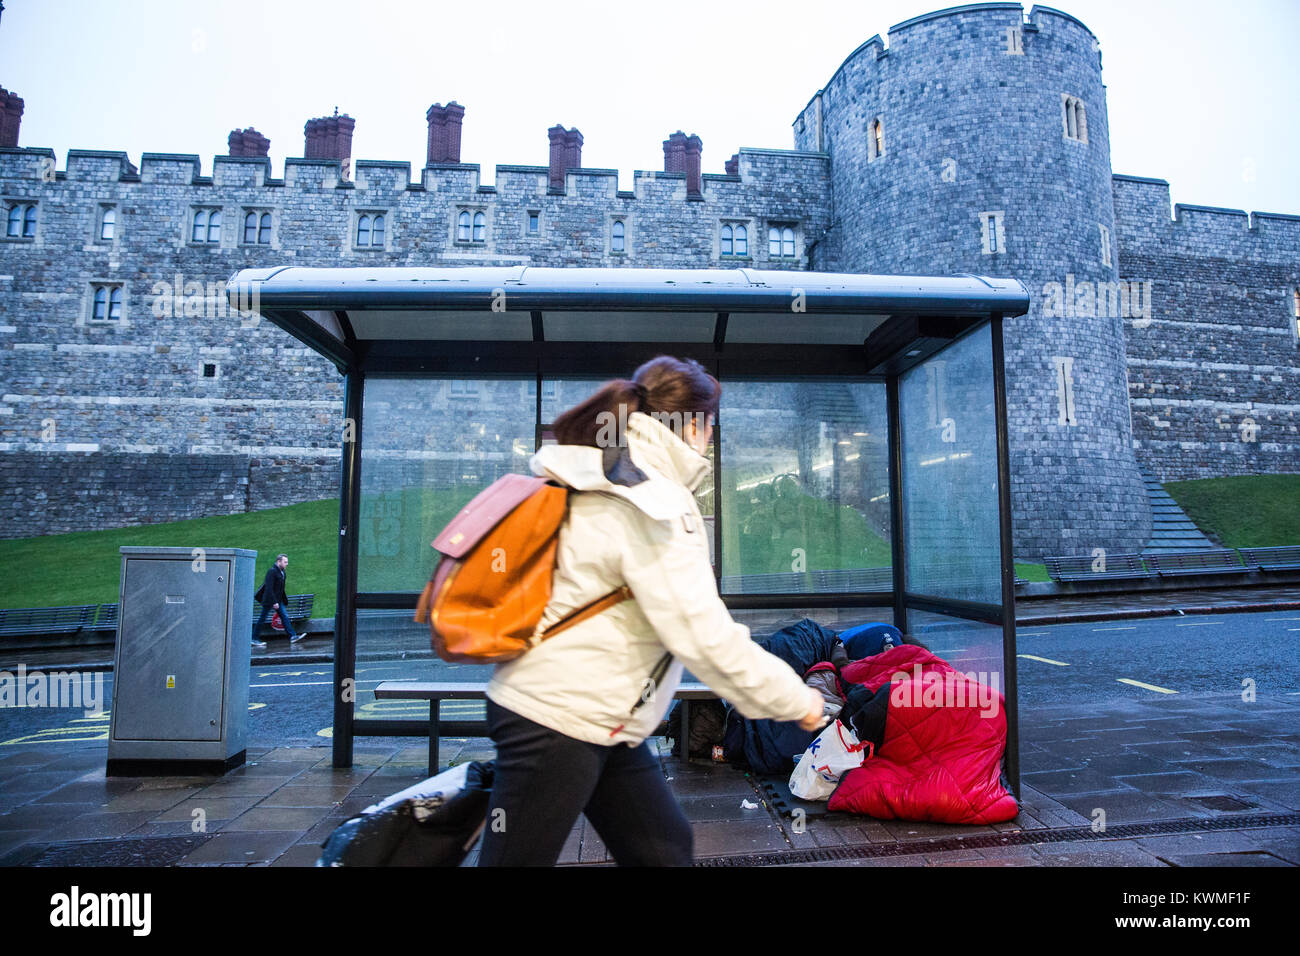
{"points": [[243, 848]]}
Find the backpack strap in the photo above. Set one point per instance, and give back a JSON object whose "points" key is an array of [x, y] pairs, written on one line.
{"points": [[589, 610]]}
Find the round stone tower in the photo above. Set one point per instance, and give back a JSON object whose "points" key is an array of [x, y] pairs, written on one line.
{"points": [[977, 141]]}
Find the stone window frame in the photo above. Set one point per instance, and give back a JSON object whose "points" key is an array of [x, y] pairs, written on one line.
{"points": [[260, 212], [1293, 301], [876, 138], [1063, 370], [528, 217], [31, 214], [92, 290], [993, 233], [473, 211], [782, 225], [207, 209], [1074, 119], [373, 212], [463, 388], [1107, 255], [102, 209], [626, 238], [734, 223]]}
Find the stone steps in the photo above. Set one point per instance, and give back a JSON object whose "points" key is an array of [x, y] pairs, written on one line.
{"points": [[1171, 529]]}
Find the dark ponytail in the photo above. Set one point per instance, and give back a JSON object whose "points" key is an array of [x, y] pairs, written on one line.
{"points": [[663, 384]]}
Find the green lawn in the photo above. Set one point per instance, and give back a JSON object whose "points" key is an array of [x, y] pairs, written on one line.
{"points": [[1251, 511], [84, 567]]}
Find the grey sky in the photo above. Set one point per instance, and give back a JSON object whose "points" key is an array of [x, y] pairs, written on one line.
{"points": [[1200, 93]]}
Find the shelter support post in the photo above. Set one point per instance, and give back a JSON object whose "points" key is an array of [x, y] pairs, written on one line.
{"points": [[1012, 761], [345, 612]]}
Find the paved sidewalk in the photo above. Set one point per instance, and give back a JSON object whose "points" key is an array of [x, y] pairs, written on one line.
{"points": [[1186, 781]]}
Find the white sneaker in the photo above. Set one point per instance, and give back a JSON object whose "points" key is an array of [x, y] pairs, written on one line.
{"points": [[259, 645]]}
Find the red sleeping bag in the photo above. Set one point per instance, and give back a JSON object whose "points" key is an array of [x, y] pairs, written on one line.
{"points": [[942, 752]]}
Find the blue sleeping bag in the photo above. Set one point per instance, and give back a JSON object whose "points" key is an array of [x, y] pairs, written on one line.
{"points": [[770, 746]]}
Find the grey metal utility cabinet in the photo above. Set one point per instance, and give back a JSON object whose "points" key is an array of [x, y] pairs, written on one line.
{"points": [[180, 669]]}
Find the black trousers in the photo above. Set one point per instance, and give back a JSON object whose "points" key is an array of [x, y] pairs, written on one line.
{"points": [[544, 779]]}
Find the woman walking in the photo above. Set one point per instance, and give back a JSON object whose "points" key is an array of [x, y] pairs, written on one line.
{"points": [[571, 716]]}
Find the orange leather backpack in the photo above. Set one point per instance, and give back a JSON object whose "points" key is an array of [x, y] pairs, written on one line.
{"points": [[493, 579]]}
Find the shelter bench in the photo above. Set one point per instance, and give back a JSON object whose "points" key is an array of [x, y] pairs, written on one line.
{"points": [[45, 620], [1068, 568], [435, 692], [1272, 559], [1219, 561]]}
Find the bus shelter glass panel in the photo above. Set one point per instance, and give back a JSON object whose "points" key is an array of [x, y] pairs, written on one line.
{"points": [[950, 473], [804, 487], [972, 647], [429, 446]]}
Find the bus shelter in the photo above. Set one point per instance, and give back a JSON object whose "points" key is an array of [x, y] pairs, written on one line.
{"points": [[861, 465]]}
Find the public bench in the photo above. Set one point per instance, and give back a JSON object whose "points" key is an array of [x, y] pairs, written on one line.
{"points": [[1272, 559], [299, 609], [45, 620], [1079, 567], [1218, 561], [435, 692]]}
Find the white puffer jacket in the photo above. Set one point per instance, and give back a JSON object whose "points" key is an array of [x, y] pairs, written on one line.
{"points": [[633, 519]]}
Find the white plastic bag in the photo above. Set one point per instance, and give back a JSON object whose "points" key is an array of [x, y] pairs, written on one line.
{"points": [[834, 753]]}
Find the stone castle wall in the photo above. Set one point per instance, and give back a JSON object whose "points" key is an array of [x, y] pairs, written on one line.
{"points": [[1214, 365], [110, 423]]}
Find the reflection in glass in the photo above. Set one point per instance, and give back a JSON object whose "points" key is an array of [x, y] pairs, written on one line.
{"points": [[950, 478], [805, 487]]}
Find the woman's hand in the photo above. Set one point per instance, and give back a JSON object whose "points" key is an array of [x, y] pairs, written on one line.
{"points": [[815, 719]]}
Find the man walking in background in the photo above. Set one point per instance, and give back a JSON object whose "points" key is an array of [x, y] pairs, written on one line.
{"points": [[273, 598]]}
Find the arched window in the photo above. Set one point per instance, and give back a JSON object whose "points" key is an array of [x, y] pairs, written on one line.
{"points": [[363, 231], [725, 245], [462, 227], [1075, 119], [742, 241], [107, 303], [250, 227], [780, 241], [618, 237], [107, 222], [264, 230], [377, 231], [29, 223], [480, 227], [214, 226], [200, 226], [875, 139]]}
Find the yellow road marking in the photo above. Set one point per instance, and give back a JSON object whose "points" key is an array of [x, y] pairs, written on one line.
{"points": [[1138, 683], [1045, 660], [256, 706]]}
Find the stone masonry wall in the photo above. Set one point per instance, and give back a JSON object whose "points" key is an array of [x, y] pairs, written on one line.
{"points": [[107, 409], [1214, 368]]}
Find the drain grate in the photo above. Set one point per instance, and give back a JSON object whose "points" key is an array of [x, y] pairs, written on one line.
{"points": [[777, 790], [832, 854], [144, 851], [1220, 801]]}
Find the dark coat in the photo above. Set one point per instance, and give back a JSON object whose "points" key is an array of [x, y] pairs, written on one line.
{"points": [[272, 589]]}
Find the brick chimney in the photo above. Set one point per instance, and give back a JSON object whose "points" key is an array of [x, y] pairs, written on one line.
{"points": [[444, 132], [675, 153], [732, 166], [694, 146], [330, 137], [11, 115], [248, 142], [566, 153]]}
